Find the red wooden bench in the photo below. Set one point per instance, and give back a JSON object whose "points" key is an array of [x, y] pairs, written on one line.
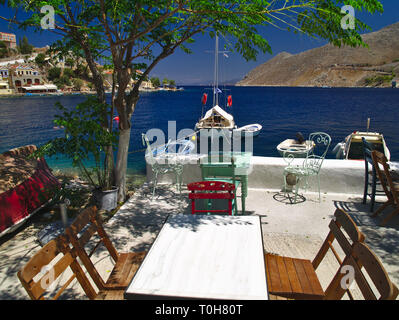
{"points": [[211, 190]]}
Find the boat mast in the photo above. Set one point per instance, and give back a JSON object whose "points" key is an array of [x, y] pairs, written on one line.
{"points": [[215, 75]]}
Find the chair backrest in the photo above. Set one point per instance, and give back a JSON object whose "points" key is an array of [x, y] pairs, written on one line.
{"points": [[321, 142], [382, 168], [342, 229], [40, 275], [216, 166], [363, 267], [367, 149], [149, 156], [345, 232], [79, 233]]}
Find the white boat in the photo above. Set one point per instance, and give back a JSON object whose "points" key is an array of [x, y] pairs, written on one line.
{"points": [[250, 129], [295, 148], [352, 147], [216, 118]]}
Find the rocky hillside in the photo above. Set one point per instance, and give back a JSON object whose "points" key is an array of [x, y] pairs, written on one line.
{"points": [[331, 66]]}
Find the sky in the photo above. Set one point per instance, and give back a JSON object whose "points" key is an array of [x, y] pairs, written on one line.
{"points": [[197, 68]]}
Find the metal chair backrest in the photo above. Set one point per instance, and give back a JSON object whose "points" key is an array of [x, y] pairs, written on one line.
{"points": [[321, 141], [384, 176], [315, 158], [42, 275]]}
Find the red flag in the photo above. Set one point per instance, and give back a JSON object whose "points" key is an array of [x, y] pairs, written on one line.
{"points": [[204, 98], [229, 101]]}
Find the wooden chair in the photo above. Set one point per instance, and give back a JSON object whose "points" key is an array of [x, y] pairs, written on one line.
{"points": [[368, 160], [126, 264], [390, 187], [45, 268], [362, 259], [211, 190], [296, 278]]}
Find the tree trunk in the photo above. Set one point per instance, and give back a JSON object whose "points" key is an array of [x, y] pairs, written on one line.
{"points": [[121, 163]]}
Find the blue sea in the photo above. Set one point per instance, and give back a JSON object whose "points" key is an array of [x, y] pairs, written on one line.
{"points": [[281, 111]]}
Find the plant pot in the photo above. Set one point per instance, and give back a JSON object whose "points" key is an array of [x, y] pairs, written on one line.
{"points": [[106, 200]]}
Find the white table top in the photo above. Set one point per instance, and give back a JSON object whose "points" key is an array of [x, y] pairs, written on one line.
{"points": [[200, 256]]}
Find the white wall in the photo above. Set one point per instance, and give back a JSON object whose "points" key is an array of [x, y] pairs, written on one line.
{"points": [[336, 176]]}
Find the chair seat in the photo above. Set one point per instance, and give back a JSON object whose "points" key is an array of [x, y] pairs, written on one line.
{"points": [[124, 270], [292, 278]]}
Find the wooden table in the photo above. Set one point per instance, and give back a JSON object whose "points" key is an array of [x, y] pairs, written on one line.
{"points": [[200, 256]]}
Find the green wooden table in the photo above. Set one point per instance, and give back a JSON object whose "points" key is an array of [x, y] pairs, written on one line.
{"points": [[219, 165]]}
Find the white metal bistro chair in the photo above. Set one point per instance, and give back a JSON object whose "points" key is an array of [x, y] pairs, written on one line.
{"points": [[294, 174], [162, 166]]}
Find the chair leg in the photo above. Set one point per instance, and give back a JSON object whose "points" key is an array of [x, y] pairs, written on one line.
{"points": [[366, 185], [318, 184], [296, 189], [373, 190], [390, 216], [155, 184]]}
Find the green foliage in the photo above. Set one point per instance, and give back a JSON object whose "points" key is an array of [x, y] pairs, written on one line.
{"points": [[155, 82], [40, 59], [4, 51], [54, 73], [379, 80], [24, 47], [77, 84], [84, 140]]}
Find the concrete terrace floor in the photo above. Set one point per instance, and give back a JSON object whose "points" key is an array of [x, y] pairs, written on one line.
{"points": [[295, 230]]}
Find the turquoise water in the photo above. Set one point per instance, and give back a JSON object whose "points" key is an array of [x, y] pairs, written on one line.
{"points": [[281, 111]]}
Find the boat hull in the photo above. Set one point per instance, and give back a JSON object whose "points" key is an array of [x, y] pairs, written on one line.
{"points": [[352, 147], [23, 200]]}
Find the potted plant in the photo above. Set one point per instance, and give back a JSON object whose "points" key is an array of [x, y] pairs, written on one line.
{"points": [[87, 142]]}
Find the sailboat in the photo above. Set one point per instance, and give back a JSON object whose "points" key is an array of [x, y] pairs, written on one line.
{"points": [[216, 120]]}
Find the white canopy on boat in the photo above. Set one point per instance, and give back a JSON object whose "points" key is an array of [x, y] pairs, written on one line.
{"points": [[220, 111]]}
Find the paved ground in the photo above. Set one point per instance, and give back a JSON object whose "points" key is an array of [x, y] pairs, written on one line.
{"points": [[295, 230]]}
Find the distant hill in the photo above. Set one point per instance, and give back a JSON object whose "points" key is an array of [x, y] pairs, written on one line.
{"points": [[332, 66]]}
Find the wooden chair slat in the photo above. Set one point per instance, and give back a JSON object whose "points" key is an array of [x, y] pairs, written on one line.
{"points": [[302, 276], [284, 279], [82, 220], [374, 268], [43, 257], [350, 227], [317, 290], [87, 234], [274, 282], [292, 275], [323, 250], [341, 239]]}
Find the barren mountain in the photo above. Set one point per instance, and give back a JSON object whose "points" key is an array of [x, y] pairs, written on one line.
{"points": [[332, 66]]}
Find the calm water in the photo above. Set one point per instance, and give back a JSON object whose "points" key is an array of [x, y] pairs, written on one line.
{"points": [[281, 111]]}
